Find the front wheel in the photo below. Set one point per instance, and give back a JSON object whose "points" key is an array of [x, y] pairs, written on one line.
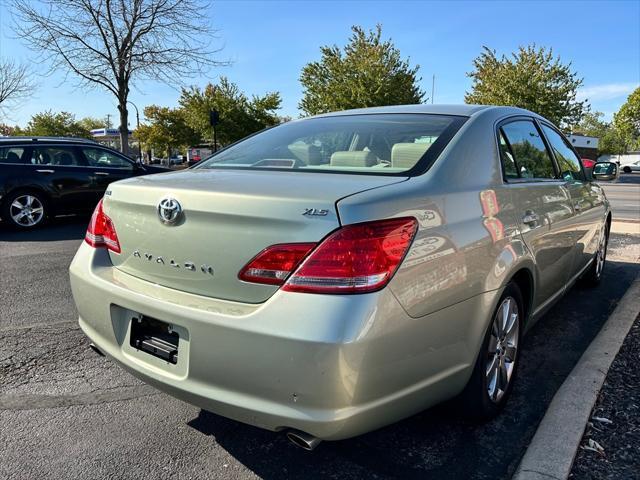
{"points": [[494, 373], [626, 169], [25, 210]]}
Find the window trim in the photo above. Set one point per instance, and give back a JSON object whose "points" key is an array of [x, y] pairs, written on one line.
{"points": [[567, 143], [515, 118]]}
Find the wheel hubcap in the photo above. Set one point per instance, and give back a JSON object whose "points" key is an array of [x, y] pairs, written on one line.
{"points": [[503, 348], [26, 210], [601, 255]]}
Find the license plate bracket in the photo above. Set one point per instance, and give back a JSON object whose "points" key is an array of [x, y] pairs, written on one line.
{"points": [[154, 337]]}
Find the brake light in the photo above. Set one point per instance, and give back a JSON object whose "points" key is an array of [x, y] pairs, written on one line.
{"points": [[357, 258], [274, 264], [101, 233]]}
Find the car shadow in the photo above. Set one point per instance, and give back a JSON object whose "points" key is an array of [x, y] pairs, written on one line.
{"points": [[438, 443], [60, 228]]}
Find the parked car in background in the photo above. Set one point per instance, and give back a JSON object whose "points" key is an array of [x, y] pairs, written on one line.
{"points": [[633, 167], [337, 273], [588, 164], [43, 177]]}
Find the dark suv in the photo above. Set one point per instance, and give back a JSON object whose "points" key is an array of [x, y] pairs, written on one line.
{"points": [[43, 177]]}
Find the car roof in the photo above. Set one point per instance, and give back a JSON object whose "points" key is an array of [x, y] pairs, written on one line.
{"points": [[5, 140], [441, 109]]}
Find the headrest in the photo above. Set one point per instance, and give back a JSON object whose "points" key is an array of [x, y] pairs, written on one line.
{"points": [[309, 154], [406, 155], [360, 158]]}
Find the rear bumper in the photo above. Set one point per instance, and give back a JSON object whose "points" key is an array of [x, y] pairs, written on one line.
{"points": [[332, 366]]}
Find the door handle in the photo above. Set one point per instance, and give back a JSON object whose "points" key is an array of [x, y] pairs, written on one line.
{"points": [[530, 218], [577, 206], [103, 174], [44, 170]]}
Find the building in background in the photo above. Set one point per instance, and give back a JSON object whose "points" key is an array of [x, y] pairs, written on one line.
{"points": [[111, 138], [586, 146]]}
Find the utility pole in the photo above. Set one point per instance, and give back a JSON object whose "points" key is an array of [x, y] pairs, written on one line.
{"points": [[214, 118], [108, 125], [137, 127]]}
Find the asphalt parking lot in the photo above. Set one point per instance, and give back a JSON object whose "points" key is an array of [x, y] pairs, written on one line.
{"points": [[67, 413]]}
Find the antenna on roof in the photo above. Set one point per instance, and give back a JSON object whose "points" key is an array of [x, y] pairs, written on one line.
{"points": [[433, 86]]}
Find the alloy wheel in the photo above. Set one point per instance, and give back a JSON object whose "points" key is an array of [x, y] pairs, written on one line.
{"points": [[601, 254], [26, 210], [503, 348]]}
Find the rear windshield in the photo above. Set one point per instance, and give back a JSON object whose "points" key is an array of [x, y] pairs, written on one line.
{"points": [[373, 143]]}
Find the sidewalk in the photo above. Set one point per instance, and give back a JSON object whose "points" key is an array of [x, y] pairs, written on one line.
{"points": [[610, 448]]}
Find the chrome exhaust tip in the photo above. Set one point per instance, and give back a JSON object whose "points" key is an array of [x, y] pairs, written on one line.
{"points": [[93, 347], [303, 440]]}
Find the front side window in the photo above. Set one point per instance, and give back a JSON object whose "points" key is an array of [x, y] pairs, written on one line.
{"points": [[54, 156], [372, 143], [529, 150], [11, 154], [568, 161], [97, 157]]}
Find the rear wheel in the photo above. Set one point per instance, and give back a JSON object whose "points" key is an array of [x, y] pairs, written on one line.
{"points": [[25, 209], [494, 373], [593, 275], [626, 169]]}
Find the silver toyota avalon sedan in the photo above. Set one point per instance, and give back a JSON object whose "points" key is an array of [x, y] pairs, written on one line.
{"points": [[338, 273]]}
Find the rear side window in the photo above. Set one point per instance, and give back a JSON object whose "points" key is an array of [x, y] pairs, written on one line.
{"points": [[11, 154], [528, 149], [508, 162], [54, 156], [568, 161], [96, 157]]}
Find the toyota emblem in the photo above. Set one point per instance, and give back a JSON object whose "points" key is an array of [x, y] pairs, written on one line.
{"points": [[169, 211]]}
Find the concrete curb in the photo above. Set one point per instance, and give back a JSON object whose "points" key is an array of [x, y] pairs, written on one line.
{"points": [[553, 448], [632, 227]]}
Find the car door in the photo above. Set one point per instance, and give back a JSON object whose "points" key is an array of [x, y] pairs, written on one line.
{"points": [[61, 168], [586, 198], [105, 167], [542, 202]]}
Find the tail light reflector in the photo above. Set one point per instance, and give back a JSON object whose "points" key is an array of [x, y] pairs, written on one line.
{"points": [[274, 264], [101, 233]]}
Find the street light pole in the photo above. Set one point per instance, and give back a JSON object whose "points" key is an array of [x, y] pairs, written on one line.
{"points": [[137, 128]]}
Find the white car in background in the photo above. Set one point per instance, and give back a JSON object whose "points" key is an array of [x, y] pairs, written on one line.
{"points": [[633, 167]]}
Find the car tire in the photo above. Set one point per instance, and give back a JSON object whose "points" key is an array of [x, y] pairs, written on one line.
{"points": [[486, 394], [25, 209], [626, 169], [593, 275]]}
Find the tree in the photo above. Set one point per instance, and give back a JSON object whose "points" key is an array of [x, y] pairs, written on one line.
{"points": [[15, 84], [368, 72], [166, 129], [627, 121], [533, 79], [239, 115], [609, 139], [50, 124], [111, 44]]}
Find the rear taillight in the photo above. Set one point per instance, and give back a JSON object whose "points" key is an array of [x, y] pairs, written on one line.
{"points": [[101, 233], [354, 259], [274, 264]]}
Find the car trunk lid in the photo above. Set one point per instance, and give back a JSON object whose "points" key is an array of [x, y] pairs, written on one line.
{"points": [[228, 216]]}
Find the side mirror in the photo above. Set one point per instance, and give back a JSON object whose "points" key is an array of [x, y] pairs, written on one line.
{"points": [[605, 171]]}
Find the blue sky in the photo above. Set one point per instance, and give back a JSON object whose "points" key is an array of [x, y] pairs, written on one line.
{"points": [[270, 41]]}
